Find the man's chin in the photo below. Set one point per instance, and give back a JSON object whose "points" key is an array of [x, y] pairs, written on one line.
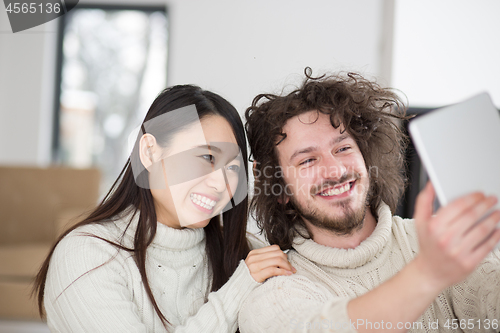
{"points": [[342, 224]]}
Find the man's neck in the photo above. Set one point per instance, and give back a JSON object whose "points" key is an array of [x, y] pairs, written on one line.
{"points": [[351, 241]]}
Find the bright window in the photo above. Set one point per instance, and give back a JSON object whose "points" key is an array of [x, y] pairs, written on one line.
{"points": [[113, 63]]}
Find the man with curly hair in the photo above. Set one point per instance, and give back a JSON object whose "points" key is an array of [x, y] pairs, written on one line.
{"points": [[328, 161]]}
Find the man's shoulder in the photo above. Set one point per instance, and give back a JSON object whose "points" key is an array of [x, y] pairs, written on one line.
{"points": [[255, 242], [272, 306], [306, 278], [301, 280], [281, 288], [405, 225], [405, 234]]}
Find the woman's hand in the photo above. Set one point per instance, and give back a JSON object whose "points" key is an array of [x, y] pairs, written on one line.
{"points": [[452, 242], [267, 262]]}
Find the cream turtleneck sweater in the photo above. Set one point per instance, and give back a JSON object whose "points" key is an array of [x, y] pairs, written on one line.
{"points": [[93, 287], [315, 298]]}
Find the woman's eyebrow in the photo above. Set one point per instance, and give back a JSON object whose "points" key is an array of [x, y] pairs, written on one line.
{"points": [[210, 147]]}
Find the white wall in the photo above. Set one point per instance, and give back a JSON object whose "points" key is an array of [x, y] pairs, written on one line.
{"points": [[446, 51], [235, 48], [243, 48], [27, 69]]}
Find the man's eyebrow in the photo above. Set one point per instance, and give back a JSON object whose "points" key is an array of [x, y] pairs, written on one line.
{"points": [[303, 151], [339, 138], [306, 150]]}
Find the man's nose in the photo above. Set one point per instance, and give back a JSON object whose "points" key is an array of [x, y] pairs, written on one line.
{"points": [[332, 167]]}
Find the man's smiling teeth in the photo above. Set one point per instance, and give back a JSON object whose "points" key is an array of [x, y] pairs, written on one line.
{"points": [[337, 190], [203, 201]]}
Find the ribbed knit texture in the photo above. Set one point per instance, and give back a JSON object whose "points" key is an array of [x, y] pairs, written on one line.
{"points": [[315, 298], [94, 287]]}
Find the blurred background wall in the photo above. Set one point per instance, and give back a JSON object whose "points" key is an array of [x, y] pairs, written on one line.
{"points": [[436, 52], [235, 48]]}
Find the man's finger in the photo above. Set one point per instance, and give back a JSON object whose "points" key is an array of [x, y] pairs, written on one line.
{"points": [[468, 222], [457, 208], [424, 203], [486, 247]]}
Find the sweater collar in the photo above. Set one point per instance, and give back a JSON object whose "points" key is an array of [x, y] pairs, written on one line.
{"points": [[349, 258], [166, 237]]}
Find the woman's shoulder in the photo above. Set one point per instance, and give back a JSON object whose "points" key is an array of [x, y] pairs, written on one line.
{"points": [[118, 229], [86, 265], [92, 244], [90, 232]]}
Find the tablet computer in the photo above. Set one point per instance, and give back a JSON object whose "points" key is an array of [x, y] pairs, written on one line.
{"points": [[459, 146]]}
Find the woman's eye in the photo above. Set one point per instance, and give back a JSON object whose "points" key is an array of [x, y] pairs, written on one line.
{"points": [[209, 158], [233, 167]]}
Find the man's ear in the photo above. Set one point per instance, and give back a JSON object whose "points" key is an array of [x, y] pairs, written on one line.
{"points": [[254, 169], [147, 148], [284, 199]]}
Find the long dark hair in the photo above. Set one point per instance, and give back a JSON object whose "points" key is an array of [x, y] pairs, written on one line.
{"points": [[367, 111], [226, 244]]}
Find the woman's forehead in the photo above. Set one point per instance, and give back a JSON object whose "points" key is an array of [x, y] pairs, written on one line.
{"points": [[211, 133], [217, 129]]}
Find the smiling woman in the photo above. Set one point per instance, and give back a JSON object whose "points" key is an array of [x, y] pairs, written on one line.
{"points": [[153, 256], [198, 174]]}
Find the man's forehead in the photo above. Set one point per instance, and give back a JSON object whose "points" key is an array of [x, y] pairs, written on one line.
{"points": [[308, 127]]}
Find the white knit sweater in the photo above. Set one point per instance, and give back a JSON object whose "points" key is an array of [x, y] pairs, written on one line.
{"points": [[315, 298], [93, 287]]}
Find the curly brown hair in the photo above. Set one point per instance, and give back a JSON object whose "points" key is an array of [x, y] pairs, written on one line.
{"points": [[368, 112]]}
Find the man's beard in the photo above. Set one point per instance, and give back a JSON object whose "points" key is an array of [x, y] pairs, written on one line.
{"points": [[345, 224]]}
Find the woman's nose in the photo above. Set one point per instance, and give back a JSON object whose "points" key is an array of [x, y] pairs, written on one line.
{"points": [[217, 180]]}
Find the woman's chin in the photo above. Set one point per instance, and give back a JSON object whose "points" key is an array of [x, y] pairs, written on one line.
{"points": [[197, 225]]}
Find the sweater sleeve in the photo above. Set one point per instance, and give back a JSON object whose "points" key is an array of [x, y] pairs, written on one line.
{"points": [[220, 313], [87, 288], [294, 304], [478, 297]]}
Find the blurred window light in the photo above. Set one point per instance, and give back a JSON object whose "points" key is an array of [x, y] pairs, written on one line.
{"points": [[113, 63]]}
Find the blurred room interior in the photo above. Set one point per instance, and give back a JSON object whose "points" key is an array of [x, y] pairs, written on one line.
{"points": [[73, 90]]}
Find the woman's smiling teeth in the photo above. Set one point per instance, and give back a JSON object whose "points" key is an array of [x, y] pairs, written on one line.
{"points": [[336, 190], [202, 201]]}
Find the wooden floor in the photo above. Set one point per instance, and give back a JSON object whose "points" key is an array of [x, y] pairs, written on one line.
{"points": [[10, 326]]}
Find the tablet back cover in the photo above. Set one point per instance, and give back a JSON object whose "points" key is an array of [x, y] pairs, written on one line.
{"points": [[459, 146]]}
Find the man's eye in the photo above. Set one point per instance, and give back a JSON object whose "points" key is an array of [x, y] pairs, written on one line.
{"points": [[343, 149], [306, 162], [209, 158]]}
